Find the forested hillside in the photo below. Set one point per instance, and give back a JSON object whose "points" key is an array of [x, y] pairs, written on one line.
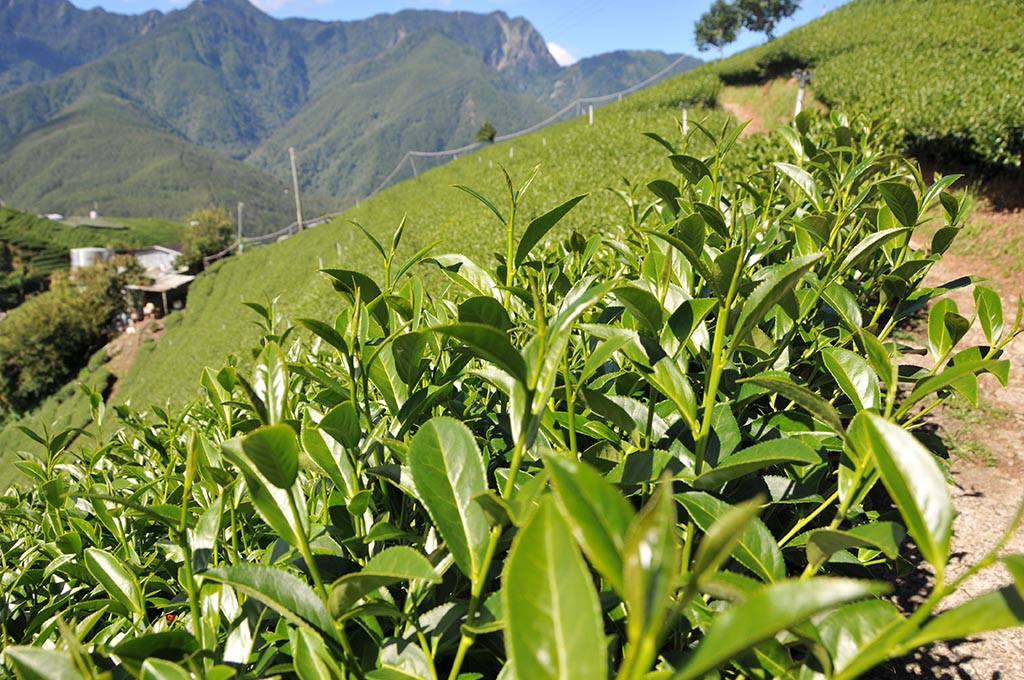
{"points": [[221, 76]]}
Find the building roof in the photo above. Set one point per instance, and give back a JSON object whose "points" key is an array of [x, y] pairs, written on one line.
{"points": [[166, 283]]}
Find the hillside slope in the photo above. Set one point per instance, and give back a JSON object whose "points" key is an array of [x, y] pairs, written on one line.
{"points": [[573, 158], [45, 38], [70, 164], [947, 75], [224, 76], [386, 109]]}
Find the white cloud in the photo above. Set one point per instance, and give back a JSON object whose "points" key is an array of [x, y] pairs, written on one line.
{"points": [[561, 55], [269, 5]]}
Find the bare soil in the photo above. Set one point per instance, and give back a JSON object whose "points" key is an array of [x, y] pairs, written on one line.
{"points": [[123, 349], [745, 112]]}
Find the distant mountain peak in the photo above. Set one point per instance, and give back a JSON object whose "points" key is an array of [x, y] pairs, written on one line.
{"points": [[521, 45]]}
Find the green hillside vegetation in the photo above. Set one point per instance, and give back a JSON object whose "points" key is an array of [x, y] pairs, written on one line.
{"points": [[703, 421], [45, 38], [350, 137], [224, 76], [644, 413], [573, 157], [72, 162], [947, 74]]}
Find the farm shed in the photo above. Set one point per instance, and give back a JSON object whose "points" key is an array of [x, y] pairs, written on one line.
{"points": [[157, 260], [165, 292]]}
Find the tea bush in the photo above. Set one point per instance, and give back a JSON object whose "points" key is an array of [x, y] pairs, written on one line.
{"points": [[947, 73], [678, 450]]}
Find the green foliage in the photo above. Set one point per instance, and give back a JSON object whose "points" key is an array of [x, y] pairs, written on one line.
{"points": [[718, 26], [51, 336], [950, 94], [228, 79], [112, 154], [643, 465], [575, 157], [762, 16], [207, 231], [486, 132]]}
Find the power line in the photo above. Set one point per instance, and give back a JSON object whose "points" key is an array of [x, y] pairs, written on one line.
{"points": [[297, 226], [408, 156]]}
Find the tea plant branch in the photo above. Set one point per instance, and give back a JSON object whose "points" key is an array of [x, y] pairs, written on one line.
{"points": [[807, 519], [198, 624], [468, 637], [719, 359]]}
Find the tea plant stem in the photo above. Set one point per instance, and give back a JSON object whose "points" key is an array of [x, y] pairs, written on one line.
{"points": [[314, 572], [517, 455], [718, 362], [198, 629], [469, 637], [804, 521], [570, 404]]}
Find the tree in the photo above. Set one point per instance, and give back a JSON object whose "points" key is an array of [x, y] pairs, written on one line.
{"points": [[486, 133], [207, 231], [718, 26], [762, 16], [48, 338]]}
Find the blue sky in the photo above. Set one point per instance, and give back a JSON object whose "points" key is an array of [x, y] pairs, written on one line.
{"points": [[577, 28]]}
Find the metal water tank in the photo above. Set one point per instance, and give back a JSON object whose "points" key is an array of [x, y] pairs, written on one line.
{"points": [[86, 257]]}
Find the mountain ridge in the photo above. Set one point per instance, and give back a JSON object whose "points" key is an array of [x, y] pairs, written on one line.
{"points": [[225, 76]]}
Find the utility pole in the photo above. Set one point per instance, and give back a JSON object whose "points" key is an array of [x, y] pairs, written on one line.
{"points": [[240, 206], [295, 189], [802, 77]]}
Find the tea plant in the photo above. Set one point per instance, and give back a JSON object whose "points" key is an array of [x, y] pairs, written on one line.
{"points": [[952, 94], [682, 450]]}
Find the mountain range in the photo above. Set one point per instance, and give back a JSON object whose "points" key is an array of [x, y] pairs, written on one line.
{"points": [[157, 114]]}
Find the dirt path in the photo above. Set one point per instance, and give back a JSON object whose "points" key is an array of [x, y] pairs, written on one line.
{"points": [[123, 349], [746, 112]]}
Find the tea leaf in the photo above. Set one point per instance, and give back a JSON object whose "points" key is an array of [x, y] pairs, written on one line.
{"points": [[448, 472], [270, 383], [754, 458], [650, 568], [597, 513], [490, 344], [913, 479], [995, 609], [801, 396], [901, 201], [399, 563], [781, 280], [541, 226], [158, 669], [275, 453], [721, 538], [855, 377], [756, 548], [281, 591], [33, 663], [883, 536], [854, 628], [556, 632], [805, 181], [990, 313], [117, 579], [774, 608]]}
